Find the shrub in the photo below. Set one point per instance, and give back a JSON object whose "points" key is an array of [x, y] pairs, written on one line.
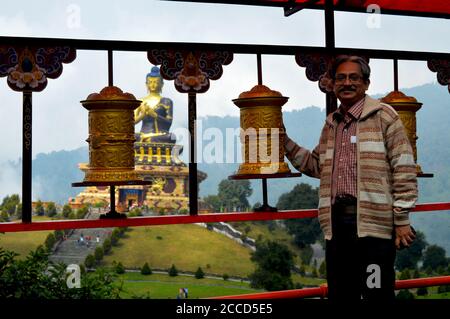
{"points": [[72, 215], [199, 274], [225, 276], [107, 246], [119, 268], [302, 270], [66, 211], [4, 217], [443, 289], [405, 275], [173, 271], [59, 234], [50, 241], [422, 291], [159, 237], [51, 209], [81, 213], [114, 239], [99, 253], [323, 269], [405, 294], [145, 270], [89, 262]]}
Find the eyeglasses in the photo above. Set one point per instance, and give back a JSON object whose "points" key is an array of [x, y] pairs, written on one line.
{"points": [[353, 78]]}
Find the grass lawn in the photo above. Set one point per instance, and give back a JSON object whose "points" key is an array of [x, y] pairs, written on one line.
{"points": [[24, 242], [433, 294], [160, 286], [307, 280], [186, 246]]}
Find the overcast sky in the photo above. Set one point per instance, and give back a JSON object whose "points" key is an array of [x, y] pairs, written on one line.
{"points": [[60, 122]]}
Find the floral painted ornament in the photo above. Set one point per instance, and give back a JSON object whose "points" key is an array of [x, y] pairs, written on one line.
{"points": [[191, 70], [28, 68]]}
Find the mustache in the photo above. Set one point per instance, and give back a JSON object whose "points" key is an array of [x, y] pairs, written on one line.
{"points": [[347, 88]]}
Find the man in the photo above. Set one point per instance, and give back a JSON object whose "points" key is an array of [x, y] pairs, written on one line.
{"points": [[368, 185]]}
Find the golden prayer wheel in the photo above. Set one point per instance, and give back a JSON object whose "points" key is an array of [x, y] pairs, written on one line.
{"points": [[406, 107], [262, 134], [111, 136]]}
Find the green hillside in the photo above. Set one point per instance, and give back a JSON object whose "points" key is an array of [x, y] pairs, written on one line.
{"points": [[186, 246], [24, 242]]}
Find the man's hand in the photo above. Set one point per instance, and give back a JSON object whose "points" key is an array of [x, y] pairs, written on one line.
{"points": [[403, 235]]}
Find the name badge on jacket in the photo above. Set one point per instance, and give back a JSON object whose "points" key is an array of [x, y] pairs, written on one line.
{"points": [[353, 139]]}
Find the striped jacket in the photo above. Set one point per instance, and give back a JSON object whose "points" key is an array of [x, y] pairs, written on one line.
{"points": [[386, 171]]}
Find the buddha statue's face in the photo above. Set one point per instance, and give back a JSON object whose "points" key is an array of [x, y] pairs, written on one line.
{"points": [[154, 84]]}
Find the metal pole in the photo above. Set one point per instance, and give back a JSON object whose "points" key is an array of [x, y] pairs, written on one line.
{"points": [[26, 157], [264, 189], [110, 68], [395, 75], [258, 60], [193, 183], [112, 195], [331, 101]]}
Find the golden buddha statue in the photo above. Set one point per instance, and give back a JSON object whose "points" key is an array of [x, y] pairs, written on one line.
{"points": [[155, 112]]}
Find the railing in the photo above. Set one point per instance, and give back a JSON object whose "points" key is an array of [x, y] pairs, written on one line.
{"points": [[182, 219], [322, 290]]}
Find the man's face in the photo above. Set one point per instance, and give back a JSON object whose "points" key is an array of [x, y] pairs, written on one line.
{"points": [[349, 85], [153, 84]]}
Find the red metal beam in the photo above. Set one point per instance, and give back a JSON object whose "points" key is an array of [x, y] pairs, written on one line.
{"points": [[322, 291], [181, 219]]}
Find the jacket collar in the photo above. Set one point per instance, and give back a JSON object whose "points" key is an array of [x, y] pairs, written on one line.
{"points": [[370, 106]]}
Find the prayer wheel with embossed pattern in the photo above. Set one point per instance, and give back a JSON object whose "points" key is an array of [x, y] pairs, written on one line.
{"points": [[262, 133], [111, 136], [406, 107]]}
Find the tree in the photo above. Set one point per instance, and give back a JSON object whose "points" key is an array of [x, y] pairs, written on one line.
{"points": [[66, 211], [199, 274], [409, 257], [50, 241], [434, 257], [214, 202], [19, 211], [114, 238], [89, 262], [405, 294], [99, 253], [306, 231], [405, 274], [9, 204], [81, 212], [39, 208], [225, 277], [422, 291], [306, 254], [274, 262], [51, 209], [323, 269], [173, 271], [119, 268], [107, 246], [145, 270], [233, 194], [35, 277]]}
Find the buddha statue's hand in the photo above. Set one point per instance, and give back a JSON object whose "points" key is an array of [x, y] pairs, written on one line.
{"points": [[150, 112]]}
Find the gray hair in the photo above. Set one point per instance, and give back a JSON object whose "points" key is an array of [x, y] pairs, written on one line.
{"points": [[365, 68]]}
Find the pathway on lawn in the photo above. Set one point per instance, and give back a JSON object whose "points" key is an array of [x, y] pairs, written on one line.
{"points": [[70, 251]]}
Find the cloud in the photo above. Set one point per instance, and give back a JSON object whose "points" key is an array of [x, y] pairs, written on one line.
{"points": [[10, 180]]}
